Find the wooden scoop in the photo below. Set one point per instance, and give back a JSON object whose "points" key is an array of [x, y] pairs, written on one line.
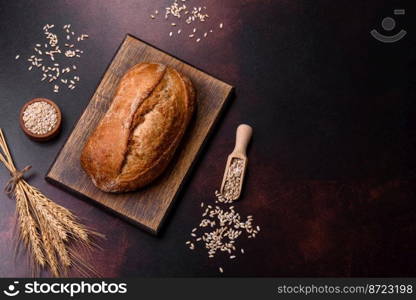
{"points": [[235, 169]]}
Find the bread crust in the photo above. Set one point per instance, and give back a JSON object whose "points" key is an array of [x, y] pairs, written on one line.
{"points": [[138, 136]]}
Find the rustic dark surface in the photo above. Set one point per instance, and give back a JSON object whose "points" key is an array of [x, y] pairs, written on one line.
{"points": [[332, 165]]}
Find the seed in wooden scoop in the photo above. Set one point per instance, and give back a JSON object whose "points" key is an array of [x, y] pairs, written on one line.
{"points": [[231, 188], [236, 166]]}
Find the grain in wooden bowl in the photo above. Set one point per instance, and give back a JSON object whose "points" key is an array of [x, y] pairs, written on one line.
{"points": [[40, 119]]}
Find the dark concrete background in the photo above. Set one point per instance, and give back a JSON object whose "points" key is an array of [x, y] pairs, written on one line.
{"points": [[332, 165]]}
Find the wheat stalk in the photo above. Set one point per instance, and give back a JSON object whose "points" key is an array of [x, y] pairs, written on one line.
{"points": [[49, 231], [28, 230]]}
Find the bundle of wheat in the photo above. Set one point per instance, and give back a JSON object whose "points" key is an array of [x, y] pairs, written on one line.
{"points": [[50, 232]]}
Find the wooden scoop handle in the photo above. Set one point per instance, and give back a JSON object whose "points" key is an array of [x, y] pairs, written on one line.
{"points": [[243, 136]]}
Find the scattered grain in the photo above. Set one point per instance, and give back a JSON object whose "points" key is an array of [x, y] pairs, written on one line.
{"points": [[192, 15], [220, 229], [51, 51]]}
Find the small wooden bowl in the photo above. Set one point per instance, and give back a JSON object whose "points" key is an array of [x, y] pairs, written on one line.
{"points": [[41, 137]]}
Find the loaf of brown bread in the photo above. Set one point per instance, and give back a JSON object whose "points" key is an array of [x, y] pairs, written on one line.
{"points": [[135, 140]]}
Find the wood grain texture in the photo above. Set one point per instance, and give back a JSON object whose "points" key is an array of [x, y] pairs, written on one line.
{"points": [[148, 206]]}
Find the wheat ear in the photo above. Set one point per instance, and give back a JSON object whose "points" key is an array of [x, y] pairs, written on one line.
{"points": [[49, 231]]}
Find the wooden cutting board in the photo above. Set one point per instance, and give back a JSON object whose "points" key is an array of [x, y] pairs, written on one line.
{"points": [[148, 206]]}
